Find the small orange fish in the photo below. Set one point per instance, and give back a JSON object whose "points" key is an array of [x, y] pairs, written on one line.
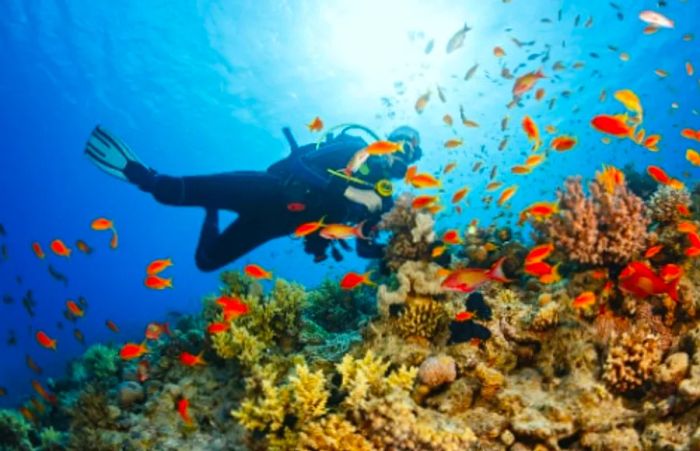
{"points": [[183, 406], [534, 161], [438, 251], [661, 73], [469, 123], [493, 186], [48, 397], [308, 228], [612, 125], [424, 181], [447, 119], [563, 143], [32, 365], [521, 170], [384, 148], [464, 316], [584, 300], [531, 130], [460, 194], [653, 251], [451, 237], [689, 68], [44, 340], [341, 231], [188, 359], [689, 133], [693, 157], [316, 125], [687, 227], [38, 251], [453, 143], [539, 94], [142, 371], [131, 351], [423, 201], [683, 209], [537, 268], [449, 167], [651, 142], [422, 102], [217, 328], [659, 175], [352, 280], [155, 330], [101, 224], [526, 82], [542, 210], [112, 326], [507, 194], [539, 253], [551, 277], [257, 272], [157, 283], [114, 242], [498, 52], [59, 248], [467, 280], [610, 177], [158, 266], [83, 247], [74, 309]]}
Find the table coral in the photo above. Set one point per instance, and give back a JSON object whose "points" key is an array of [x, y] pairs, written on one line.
{"points": [[604, 228]]}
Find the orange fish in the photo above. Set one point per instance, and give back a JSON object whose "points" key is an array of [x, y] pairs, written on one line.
{"points": [[451, 237], [541, 210], [653, 251], [59, 248], [316, 125], [610, 177], [102, 224], [689, 133], [691, 155], [449, 167], [659, 175], [538, 268], [687, 227], [423, 201], [112, 326], [599, 274], [38, 251], [232, 307], [131, 351], [651, 142], [157, 283], [584, 300], [422, 102], [32, 365], [521, 170], [384, 148], [671, 272], [539, 94], [526, 82], [74, 309], [552, 277], [533, 161], [464, 316], [453, 143], [188, 359], [689, 68], [539, 253], [44, 340], [424, 181], [498, 52], [438, 251], [661, 73], [507, 194], [460, 194], [692, 252], [308, 228], [447, 119], [612, 125], [183, 409], [83, 247], [158, 266], [155, 330], [352, 280], [48, 397], [467, 280], [683, 210], [341, 231], [563, 143], [531, 130], [217, 328], [493, 186], [641, 281]]}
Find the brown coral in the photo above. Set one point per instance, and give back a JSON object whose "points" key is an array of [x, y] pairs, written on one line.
{"points": [[437, 370], [412, 233], [631, 362], [604, 228], [663, 204]]}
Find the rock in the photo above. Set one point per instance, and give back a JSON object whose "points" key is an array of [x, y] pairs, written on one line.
{"points": [[437, 370], [673, 370], [129, 393]]}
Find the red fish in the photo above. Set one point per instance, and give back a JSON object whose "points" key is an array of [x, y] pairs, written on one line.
{"points": [[467, 280], [183, 409], [308, 228], [671, 272], [653, 251], [584, 300], [38, 251], [132, 351], [316, 125], [158, 266], [112, 326], [538, 268], [74, 309], [352, 280], [188, 359], [612, 125], [526, 82], [44, 340], [59, 248], [459, 194], [155, 330], [101, 224], [157, 283], [464, 316], [48, 397], [451, 237], [531, 130], [659, 175], [641, 281], [539, 253], [563, 143], [257, 272], [232, 307], [342, 231], [217, 328], [384, 148]]}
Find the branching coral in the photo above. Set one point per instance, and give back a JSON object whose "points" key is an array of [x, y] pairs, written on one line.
{"points": [[609, 227], [335, 309], [663, 206], [412, 233], [631, 362], [100, 362]]}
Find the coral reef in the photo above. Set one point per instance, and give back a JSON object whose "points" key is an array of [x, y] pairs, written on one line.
{"points": [[412, 234], [604, 228], [663, 204], [437, 370], [631, 362], [14, 432]]}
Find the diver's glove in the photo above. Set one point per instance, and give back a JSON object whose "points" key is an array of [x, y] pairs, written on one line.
{"points": [[368, 198]]}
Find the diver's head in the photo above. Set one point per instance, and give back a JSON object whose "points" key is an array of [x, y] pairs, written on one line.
{"points": [[398, 162]]}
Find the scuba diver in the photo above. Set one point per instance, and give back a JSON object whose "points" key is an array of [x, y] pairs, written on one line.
{"points": [[308, 185]]}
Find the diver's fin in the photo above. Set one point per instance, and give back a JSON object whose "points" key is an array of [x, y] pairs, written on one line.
{"points": [[109, 153]]}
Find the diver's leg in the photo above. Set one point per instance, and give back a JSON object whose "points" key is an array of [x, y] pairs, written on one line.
{"points": [[242, 236]]}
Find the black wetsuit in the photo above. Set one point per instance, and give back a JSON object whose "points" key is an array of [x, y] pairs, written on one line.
{"points": [[272, 204]]}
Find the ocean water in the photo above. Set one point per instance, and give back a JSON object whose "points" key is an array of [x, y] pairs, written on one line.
{"points": [[205, 87]]}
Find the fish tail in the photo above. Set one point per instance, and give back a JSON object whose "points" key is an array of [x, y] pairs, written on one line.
{"points": [[358, 230], [673, 290], [367, 279], [496, 272]]}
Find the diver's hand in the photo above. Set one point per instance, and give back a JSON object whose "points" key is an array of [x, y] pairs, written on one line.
{"points": [[365, 197]]}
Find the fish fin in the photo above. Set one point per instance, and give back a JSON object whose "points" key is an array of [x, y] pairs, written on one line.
{"points": [[358, 230], [496, 272], [673, 290]]}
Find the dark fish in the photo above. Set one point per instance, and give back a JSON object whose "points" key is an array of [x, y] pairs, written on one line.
{"points": [[577, 20], [615, 5], [589, 22], [441, 94], [57, 276], [475, 303], [69, 316], [457, 39], [29, 303], [662, 3], [470, 73], [494, 170], [82, 302], [31, 364], [11, 338], [8, 299], [594, 55], [620, 16], [335, 253], [534, 56], [79, 336], [3, 391], [3, 232], [59, 325], [464, 331], [551, 102], [559, 15], [429, 47], [4, 252], [613, 48], [546, 20]]}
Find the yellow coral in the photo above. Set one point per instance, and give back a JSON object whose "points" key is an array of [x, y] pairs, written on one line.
{"points": [[238, 342], [309, 392], [403, 378], [332, 432], [421, 317]]}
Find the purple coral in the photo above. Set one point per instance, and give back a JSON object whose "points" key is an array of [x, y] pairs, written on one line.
{"points": [[608, 227]]}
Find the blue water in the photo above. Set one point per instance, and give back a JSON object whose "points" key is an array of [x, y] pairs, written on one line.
{"points": [[203, 87]]}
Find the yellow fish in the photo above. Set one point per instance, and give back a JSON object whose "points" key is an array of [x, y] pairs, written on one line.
{"points": [[630, 100]]}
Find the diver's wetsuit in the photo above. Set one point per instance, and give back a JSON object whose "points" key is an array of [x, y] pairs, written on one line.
{"points": [[272, 204]]}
